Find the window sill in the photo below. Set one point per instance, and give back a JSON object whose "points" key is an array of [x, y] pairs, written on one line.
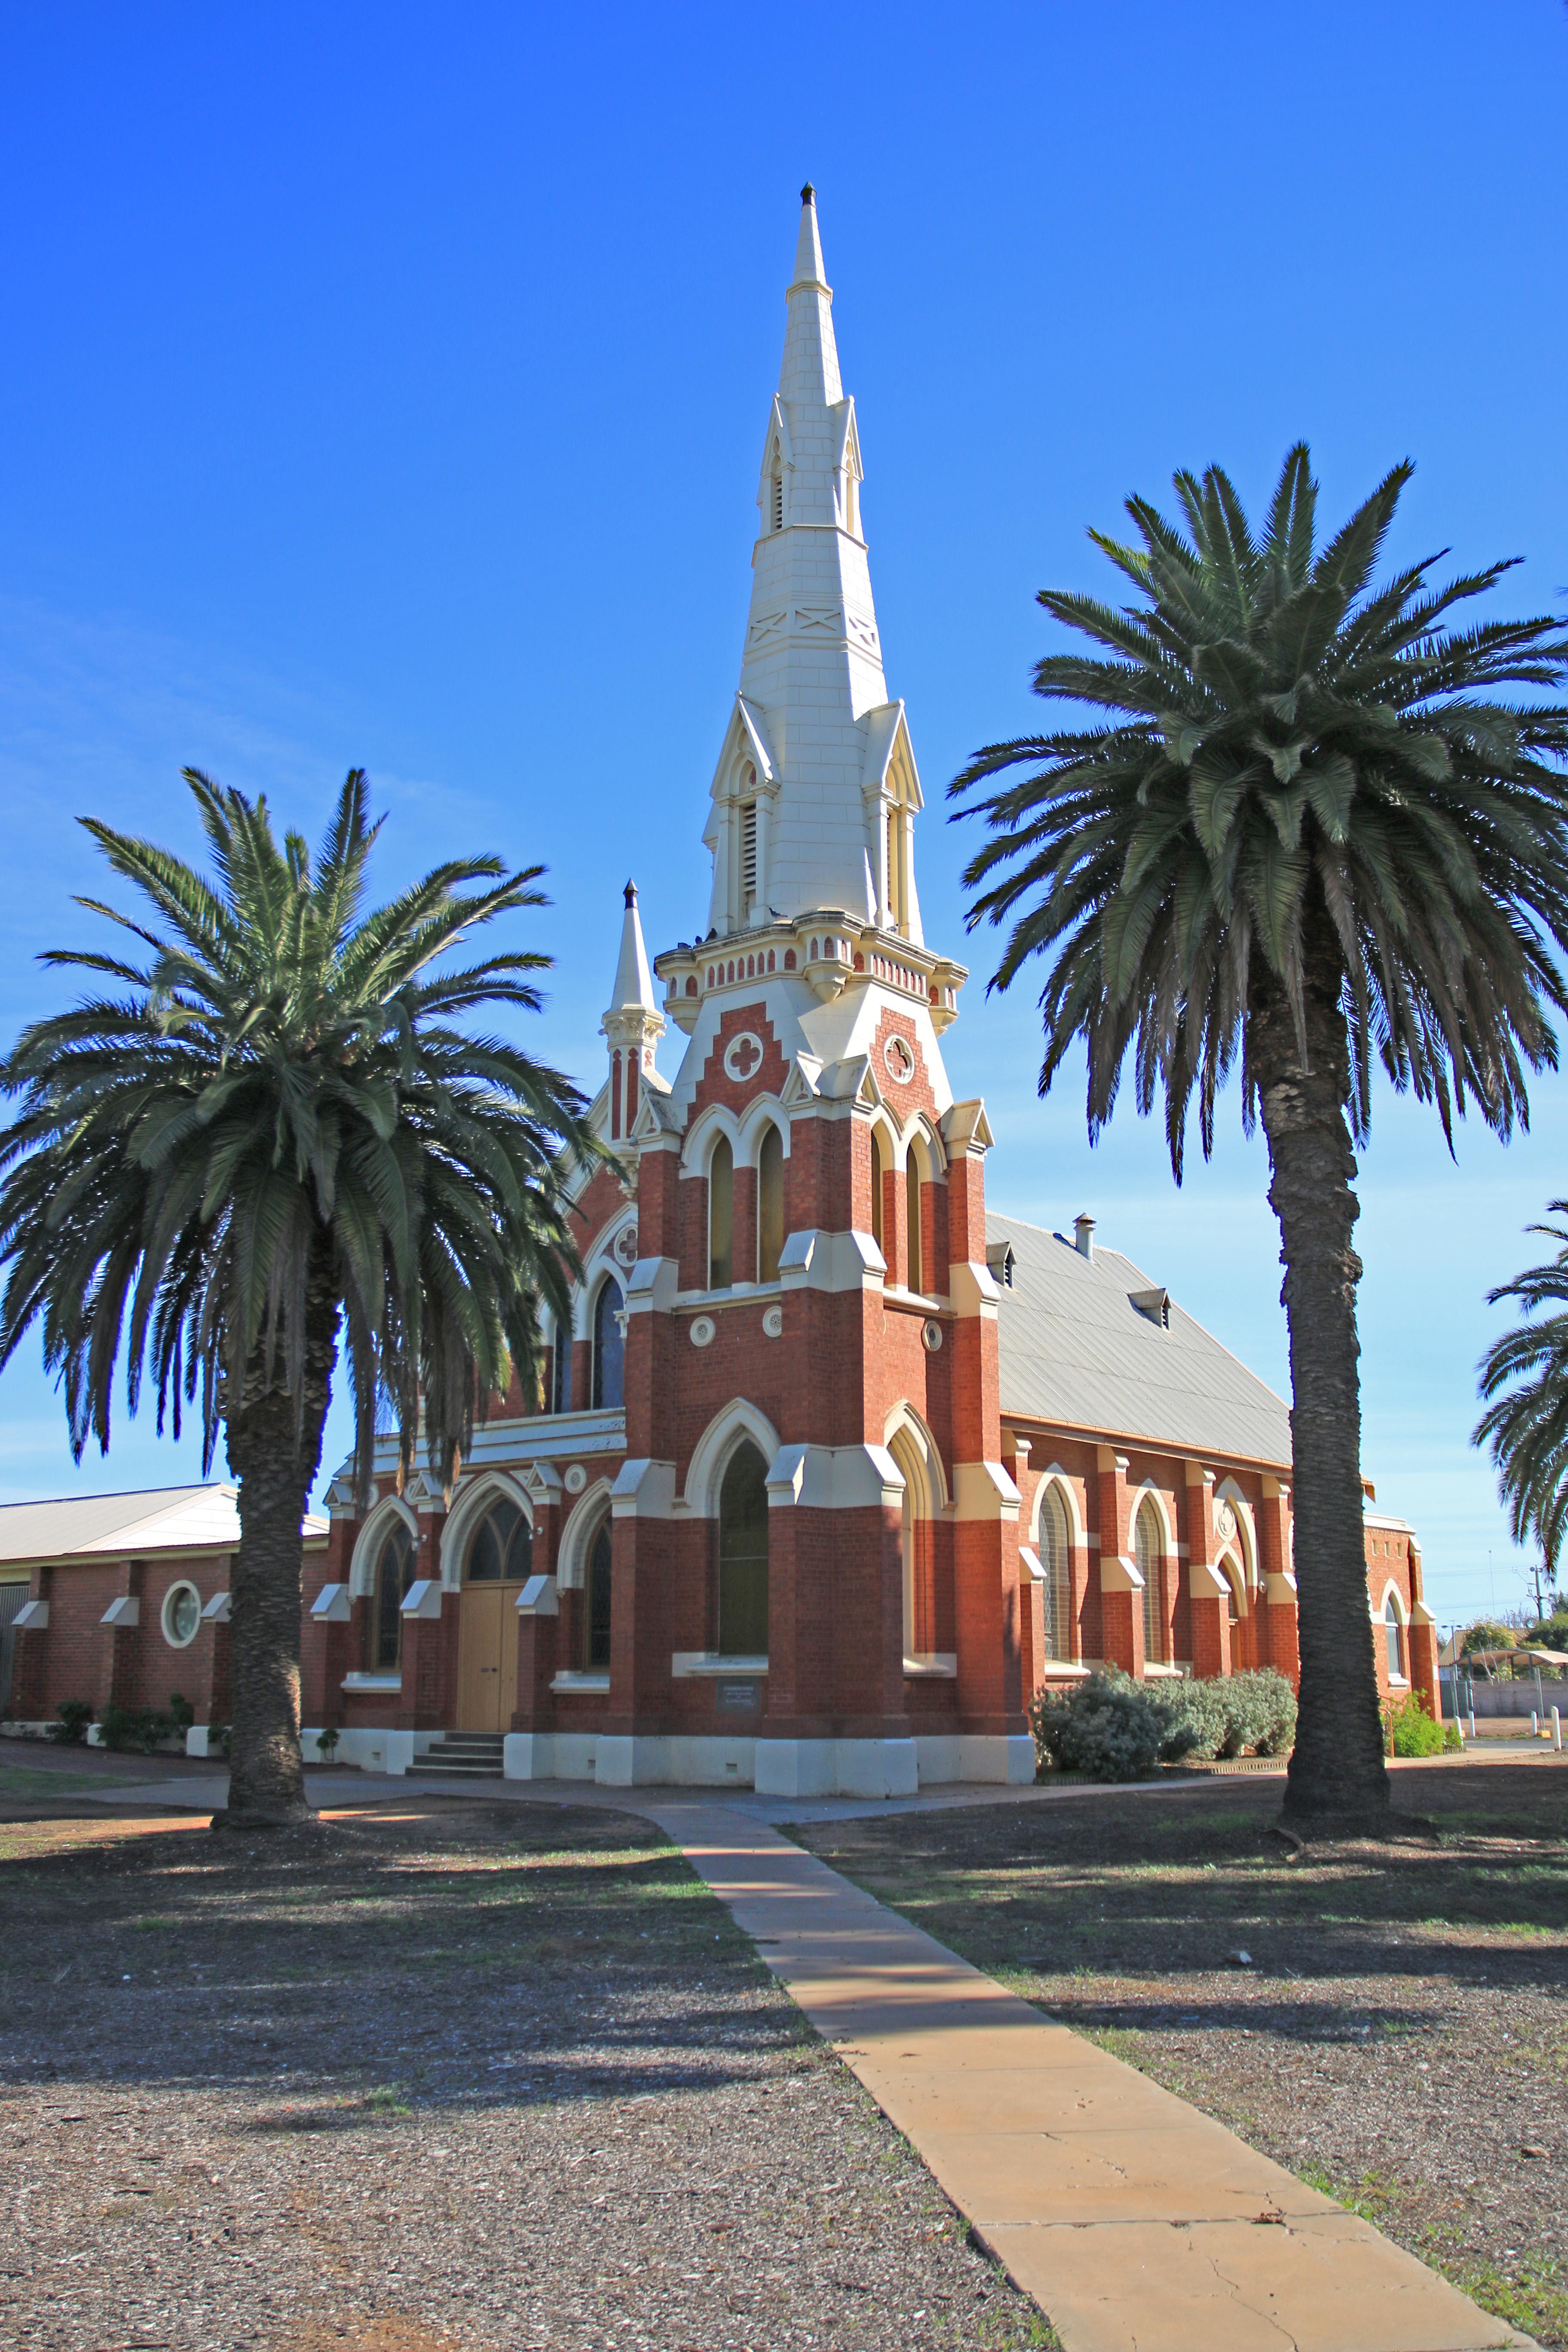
{"points": [[373, 1682], [575, 1682], [1156, 1670], [708, 1662], [931, 1666]]}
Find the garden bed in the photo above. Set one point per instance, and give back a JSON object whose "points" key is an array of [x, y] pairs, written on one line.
{"points": [[1397, 2034]]}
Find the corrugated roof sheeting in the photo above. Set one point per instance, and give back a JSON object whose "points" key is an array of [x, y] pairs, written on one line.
{"points": [[167, 1518], [1075, 1349]]}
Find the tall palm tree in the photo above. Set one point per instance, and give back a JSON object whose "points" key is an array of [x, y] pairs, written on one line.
{"points": [[269, 1140], [1307, 835], [1524, 1379]]}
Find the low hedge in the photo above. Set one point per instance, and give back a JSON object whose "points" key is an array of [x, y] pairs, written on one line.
{"points": [[1114, 1729]]}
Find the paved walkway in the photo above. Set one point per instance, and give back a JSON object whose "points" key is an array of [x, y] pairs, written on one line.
{"points": [[1137, 2224]]}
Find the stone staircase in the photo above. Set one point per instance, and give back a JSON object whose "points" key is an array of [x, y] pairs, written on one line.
{"points": [[461, 1756]]}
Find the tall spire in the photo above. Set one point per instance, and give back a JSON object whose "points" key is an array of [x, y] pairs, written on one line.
{"points": [[815, 788], [632, 990], [810, 369], [633, 1025]]}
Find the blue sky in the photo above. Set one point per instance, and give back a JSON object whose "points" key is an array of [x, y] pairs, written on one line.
{"points": [[387, 385]]}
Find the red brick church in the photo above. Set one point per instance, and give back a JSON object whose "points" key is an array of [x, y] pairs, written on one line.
{"points": [[832, 1469]]}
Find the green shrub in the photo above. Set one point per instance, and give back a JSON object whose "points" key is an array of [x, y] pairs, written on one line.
{"points": [[1199, 1720], [1453, 1737], [1109, 1727], [1410, 1729], [70, 1731], [131, 1727], [220, 1736], [1228, 1715], [182, 1714], [326, 1742]]}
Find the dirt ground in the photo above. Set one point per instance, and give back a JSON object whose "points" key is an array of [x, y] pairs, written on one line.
{"points": [[1397, 2034], [440, 2074]]}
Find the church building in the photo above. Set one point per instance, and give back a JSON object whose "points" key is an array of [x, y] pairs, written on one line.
{"points": [[831, 1470]]}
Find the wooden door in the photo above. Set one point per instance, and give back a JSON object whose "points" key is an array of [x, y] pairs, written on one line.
{"points": [[487, 1658]]}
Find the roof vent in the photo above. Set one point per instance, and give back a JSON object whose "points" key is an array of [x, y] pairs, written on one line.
{"points": [[1083, 1233], [1001, 1261], [1154, 1303]]}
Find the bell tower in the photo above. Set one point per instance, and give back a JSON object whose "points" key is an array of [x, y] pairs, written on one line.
{"points": [[812, 1432]]}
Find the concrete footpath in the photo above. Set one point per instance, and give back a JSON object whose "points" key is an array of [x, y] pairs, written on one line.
{"points": [[1137, 2224]]}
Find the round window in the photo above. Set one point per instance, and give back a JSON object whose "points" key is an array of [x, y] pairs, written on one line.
{"points": [[182, 1615]]}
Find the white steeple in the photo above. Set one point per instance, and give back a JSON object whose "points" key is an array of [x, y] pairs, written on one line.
{"points": [[634, 1023], [816, 788]]}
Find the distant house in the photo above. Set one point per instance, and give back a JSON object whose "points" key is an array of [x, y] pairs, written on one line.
{"points": [[120, 1599]]}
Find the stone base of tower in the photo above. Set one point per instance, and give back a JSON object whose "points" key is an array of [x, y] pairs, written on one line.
{"points": [[773, 1768]]}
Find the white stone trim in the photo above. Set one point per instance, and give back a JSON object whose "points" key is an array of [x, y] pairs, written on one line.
{"points": [[710, 1454], [834, 1478], [685, 1664], [643, 1489], [814, 1260], [592, 1507], [370, 1539], [423, 1598], [539, 1598], [475, 1494], [122, 1613], [333, 1605], [983, 1490]]}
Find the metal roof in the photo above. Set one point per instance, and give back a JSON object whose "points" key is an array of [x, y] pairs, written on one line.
{"points": [[162, 1518], [1076, 1351]]}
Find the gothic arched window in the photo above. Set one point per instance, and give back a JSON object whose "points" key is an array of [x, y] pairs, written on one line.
{"points": [[1147, 1547], [597, 1603], [560, 1367], [1053, 1554], [879, 1171], [722, 1216], [609, 1348], [1394, 1635], [394, 1564], [743, 1556], [500, 1549], [770, 1205], [914, 1269]]}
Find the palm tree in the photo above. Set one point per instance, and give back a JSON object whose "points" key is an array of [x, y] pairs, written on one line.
{"points": [[1524, 1375], [267, 1139], [1306, 836]]}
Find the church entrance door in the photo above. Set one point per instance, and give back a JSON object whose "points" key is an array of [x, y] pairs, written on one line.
{"points": [[487, 1658]]}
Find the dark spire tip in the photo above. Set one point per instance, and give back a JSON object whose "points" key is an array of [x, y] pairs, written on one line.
{"points": [[630, 894], [808, 194]]}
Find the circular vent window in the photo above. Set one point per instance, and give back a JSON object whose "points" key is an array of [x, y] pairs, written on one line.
{"points": [[182, 1615]]}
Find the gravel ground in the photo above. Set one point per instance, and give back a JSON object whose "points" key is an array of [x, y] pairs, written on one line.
{"points": [[1397, 2034], [439, 2074]]}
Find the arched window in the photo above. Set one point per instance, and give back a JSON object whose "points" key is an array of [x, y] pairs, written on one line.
{"points": [[915, 1270], [560, 1367], [500, 1549], [609, 1348], [1393, 1634], [394, 1564], [770, 1205], [878, 1169], [1147, 1546], [743, 1556], [1053, 1556], [722, 1216], [596, 1604]]}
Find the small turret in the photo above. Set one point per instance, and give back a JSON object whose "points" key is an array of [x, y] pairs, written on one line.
{"points": [[634, 1023]]}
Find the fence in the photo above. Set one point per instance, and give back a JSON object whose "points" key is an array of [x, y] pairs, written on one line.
{"points": [[1531, 1697]]}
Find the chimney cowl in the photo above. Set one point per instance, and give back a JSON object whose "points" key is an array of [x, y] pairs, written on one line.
{"points": [[1083, 1234]]}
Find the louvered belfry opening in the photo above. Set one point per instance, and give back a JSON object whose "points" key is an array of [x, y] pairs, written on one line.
{"points": [[778, 502], [749, 852]]}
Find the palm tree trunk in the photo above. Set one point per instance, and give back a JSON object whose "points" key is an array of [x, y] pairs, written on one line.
{"points": [[274, 1450], [1337, 1769]]}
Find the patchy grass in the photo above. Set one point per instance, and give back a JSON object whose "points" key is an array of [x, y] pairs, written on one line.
{"points": [[1398, 2034]]}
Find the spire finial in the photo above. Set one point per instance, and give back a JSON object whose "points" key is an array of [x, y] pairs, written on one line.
{"points": [[629, 895], [808, 194]]}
